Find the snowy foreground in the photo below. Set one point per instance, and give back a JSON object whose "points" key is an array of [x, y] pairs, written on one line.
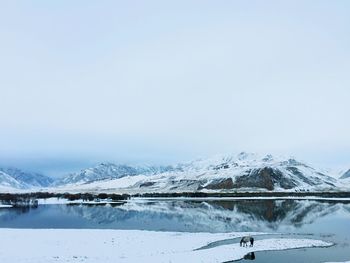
{"points": [[93, 246]]}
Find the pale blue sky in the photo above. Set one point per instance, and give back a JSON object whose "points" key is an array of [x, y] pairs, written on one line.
{"points": [[159, 81]]}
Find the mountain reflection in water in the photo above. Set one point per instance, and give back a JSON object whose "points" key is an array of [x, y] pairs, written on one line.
{"points": [[212, 216], [178, 215]]}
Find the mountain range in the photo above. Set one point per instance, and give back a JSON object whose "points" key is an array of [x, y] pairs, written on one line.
{"points": [[105, 171], [243, 172]]}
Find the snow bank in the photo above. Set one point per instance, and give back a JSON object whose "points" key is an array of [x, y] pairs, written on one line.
{"points": [[53, 201], [5, 206], [110, 246], [63, 201]]}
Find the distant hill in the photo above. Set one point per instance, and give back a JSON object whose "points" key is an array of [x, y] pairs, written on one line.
{"points": [[18, 179], [108, 171]]}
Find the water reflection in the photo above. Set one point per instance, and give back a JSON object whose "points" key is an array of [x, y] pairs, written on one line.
{"points": [[7, 214], [243, 215], [206, 216], [212, 216]]}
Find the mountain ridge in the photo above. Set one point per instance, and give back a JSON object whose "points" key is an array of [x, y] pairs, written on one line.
{"points": [[245, 171], [242, 172], [107, 170]]}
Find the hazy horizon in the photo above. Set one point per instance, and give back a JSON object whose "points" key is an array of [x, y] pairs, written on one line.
{"points": [[164, 82]]}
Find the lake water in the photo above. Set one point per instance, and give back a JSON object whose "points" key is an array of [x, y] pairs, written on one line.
{"points": [[326, 220]]}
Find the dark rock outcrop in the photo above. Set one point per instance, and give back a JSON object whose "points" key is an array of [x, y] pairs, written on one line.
{"points": [[266, 177], [220, 184], [147, 184]]}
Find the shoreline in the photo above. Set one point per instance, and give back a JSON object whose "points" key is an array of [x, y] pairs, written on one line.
{"points": [[9, 200]]}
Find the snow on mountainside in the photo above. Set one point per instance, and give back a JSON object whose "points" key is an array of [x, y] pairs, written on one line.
{"points": [[223, 173], [8, 182], [109, 171], [30, 179], [345, 175], [12, 178]]}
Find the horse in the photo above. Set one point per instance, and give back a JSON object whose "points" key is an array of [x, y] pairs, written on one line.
{"points": [[244, 241]]}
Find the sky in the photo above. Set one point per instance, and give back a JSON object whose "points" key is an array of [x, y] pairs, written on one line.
{"points": [[83, 82]]}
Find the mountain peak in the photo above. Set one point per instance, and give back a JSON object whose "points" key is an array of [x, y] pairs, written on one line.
{"points": [[246, 155]]}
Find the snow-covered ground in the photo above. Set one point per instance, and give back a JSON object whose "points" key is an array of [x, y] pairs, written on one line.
{"points": [[92, 246]]}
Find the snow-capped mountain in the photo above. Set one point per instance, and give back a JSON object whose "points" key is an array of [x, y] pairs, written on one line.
{"points": [[108, 171], [13, 178], [27, 178], [244, 172], [8, 182], [223, 173]]}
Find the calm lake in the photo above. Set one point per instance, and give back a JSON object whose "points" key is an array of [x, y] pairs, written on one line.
{"points": [[326, 220]]}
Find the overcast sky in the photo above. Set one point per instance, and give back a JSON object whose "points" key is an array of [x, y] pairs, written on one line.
{"points": [[166, 81]]}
